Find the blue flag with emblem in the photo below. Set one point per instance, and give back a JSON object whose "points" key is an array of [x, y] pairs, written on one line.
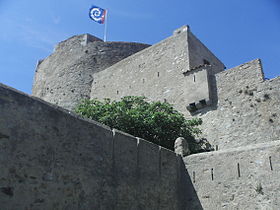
{"points": [[97, 14]]}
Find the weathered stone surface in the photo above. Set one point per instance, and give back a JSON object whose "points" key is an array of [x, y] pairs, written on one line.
{"points": [[149, 190], [236, 105], [168, 171], [238, 108], [247, 108], [240, 178], [53, 159], [66, 76], [125, 170], [157, 72]]}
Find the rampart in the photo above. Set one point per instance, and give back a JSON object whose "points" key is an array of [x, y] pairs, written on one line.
{"points": [[241, 178], [247, 111], [52, 159], [65, 77]]}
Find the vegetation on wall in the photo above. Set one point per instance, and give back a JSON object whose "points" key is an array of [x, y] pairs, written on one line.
{"points": [[157, 122]]}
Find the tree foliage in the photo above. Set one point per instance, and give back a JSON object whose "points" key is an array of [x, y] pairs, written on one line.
{"points": [[157, 122]]}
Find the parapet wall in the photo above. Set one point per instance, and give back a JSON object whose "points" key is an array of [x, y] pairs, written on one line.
{"points": [[247, 111], [241, 178], [65, 77], [52, 159]]}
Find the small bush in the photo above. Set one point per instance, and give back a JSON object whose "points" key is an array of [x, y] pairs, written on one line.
{"points": [[157, 122]]}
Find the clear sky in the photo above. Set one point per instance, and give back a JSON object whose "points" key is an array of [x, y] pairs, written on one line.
{"points": [[236, 31]]}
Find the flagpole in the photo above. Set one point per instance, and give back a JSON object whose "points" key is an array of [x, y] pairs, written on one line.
{"points": [[105, 26]]}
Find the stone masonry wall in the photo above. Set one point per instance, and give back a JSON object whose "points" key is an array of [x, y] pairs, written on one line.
{"points": [[158, 72], [65, 77], [240, 178], [247, 111], [52, 159]]}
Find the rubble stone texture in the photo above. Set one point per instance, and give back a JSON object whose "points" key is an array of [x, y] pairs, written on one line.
{"points": [[65, 77]]}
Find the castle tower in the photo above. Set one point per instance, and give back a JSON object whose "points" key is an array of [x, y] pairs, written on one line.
{"points": [[179, 70], [66, 76]]}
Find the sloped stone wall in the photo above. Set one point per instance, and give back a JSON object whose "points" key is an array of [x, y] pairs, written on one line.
{"points": [[53, 159]]}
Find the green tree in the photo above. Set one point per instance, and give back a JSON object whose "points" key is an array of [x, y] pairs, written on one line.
{"points": [[157, 122]]}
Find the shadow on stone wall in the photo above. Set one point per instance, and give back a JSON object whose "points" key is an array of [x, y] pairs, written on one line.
{"points": [[53, 159], [187, 194]]}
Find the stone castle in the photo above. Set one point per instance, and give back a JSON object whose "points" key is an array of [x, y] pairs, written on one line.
{"points": [[53, 159]]}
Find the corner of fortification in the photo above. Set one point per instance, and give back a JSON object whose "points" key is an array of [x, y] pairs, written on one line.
{"points": [[184, 28], [89, 38], [83, 39]]}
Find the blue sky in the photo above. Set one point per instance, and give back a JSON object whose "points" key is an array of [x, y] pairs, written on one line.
{"points": [[236, 31]]}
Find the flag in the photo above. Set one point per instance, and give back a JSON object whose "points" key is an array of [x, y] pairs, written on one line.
{"points": [[97, 14]]}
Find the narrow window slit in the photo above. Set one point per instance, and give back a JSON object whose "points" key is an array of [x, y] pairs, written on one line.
{"points": [[212, 174], [270, 163], [193, 78], [193, 176], [158, 74], [217, 147], [238, 169]]}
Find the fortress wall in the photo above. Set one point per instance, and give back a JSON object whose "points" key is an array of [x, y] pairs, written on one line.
{"points": [[162, 72], [247, 74], [65, 77], [156, 72], [242, 178], [53, 159], [247, 111]]}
